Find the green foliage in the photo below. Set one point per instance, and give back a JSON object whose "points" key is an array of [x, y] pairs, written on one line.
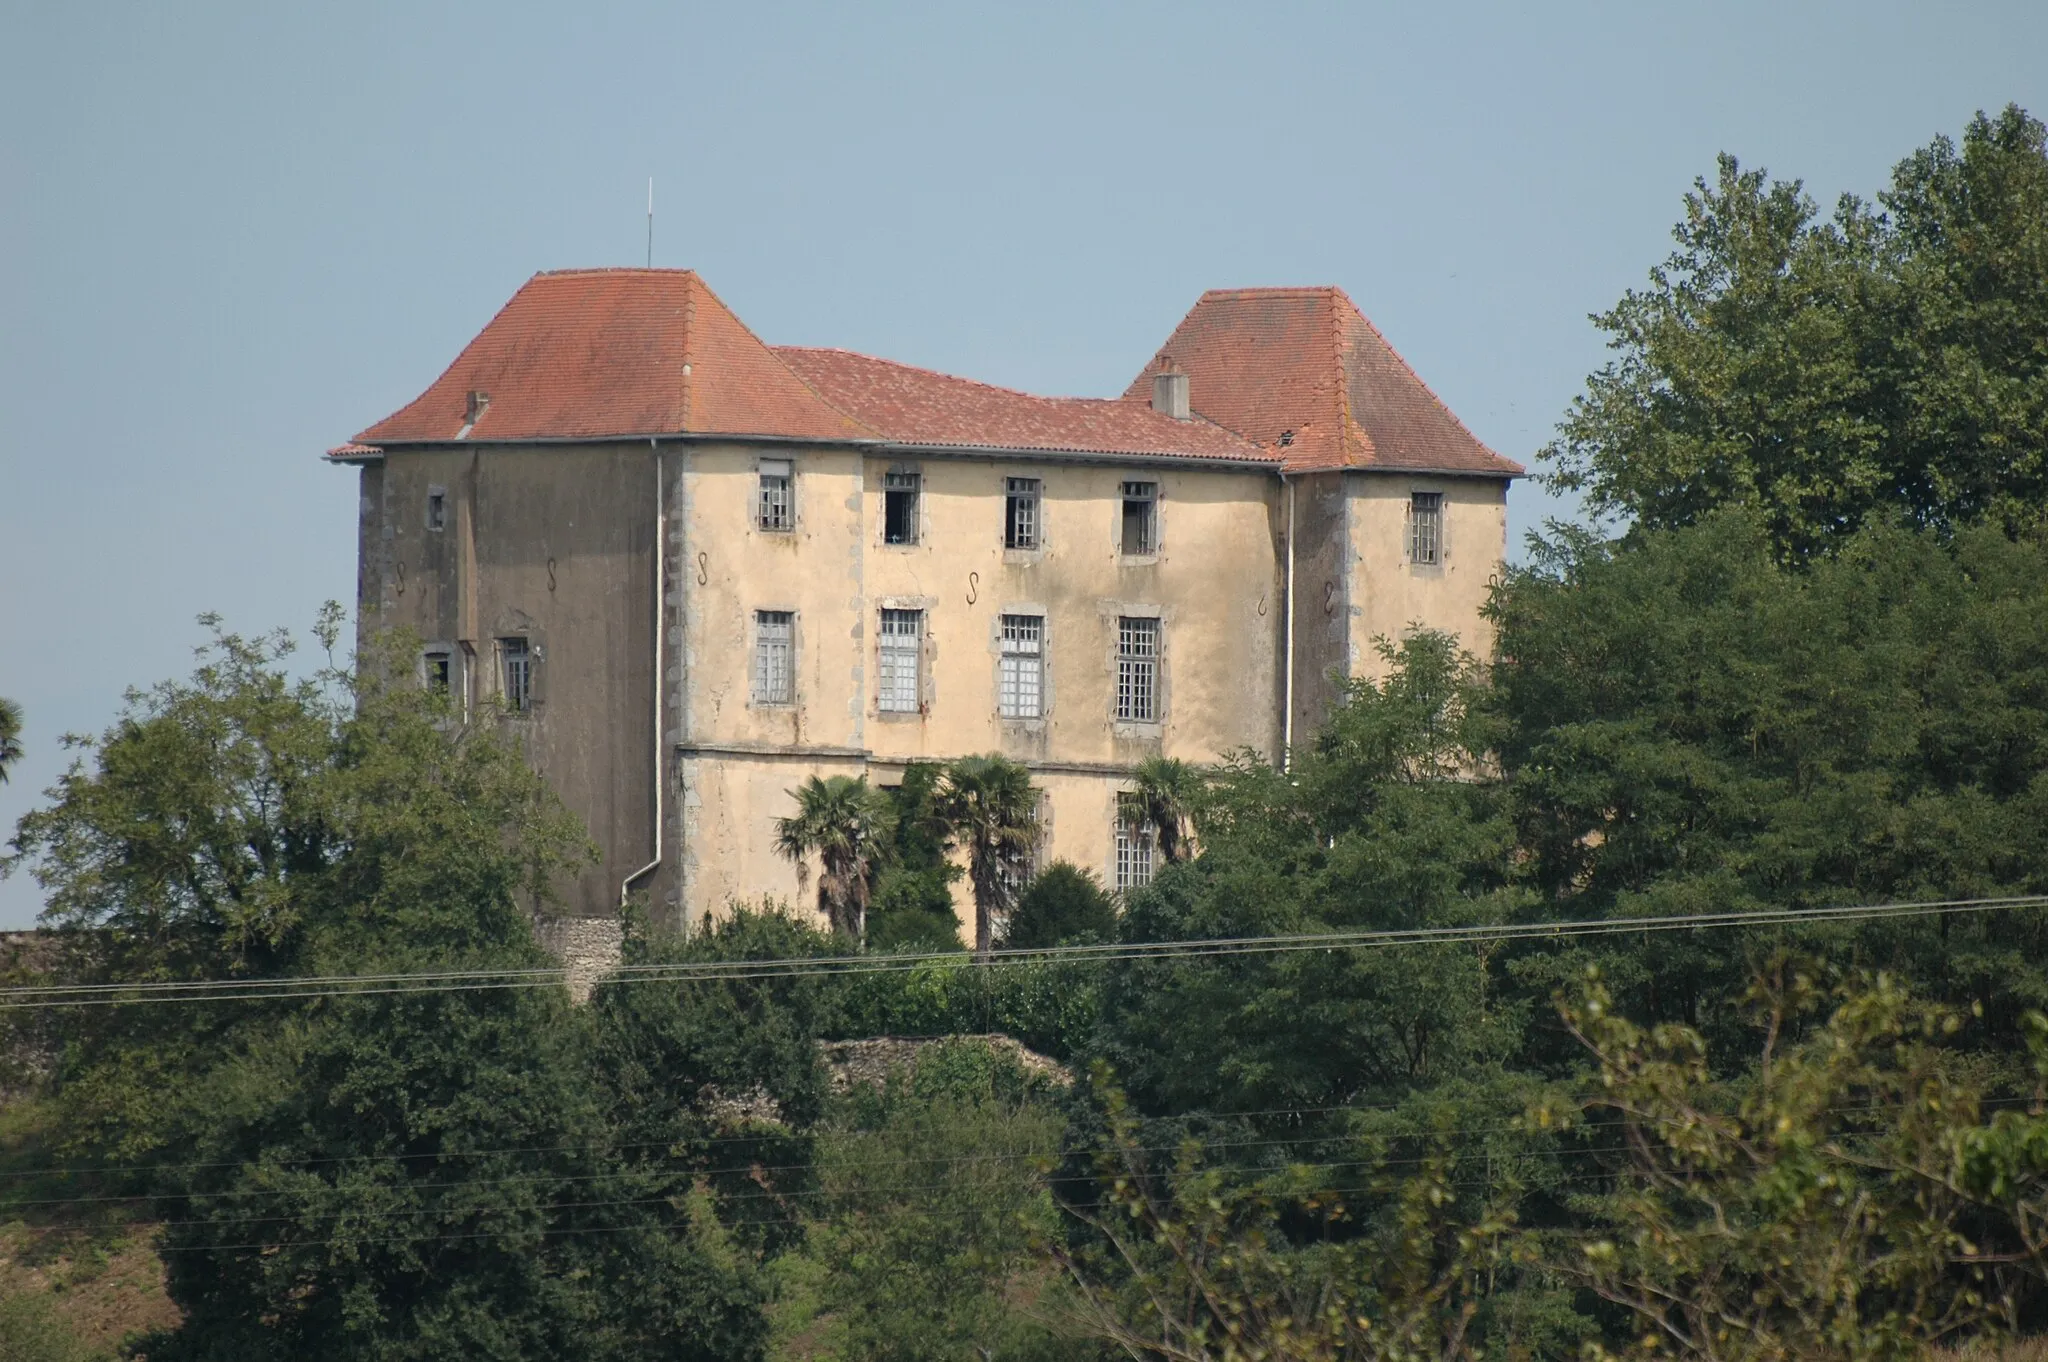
{"points": [[1063, 904], [1368, 831], [1809, 1209], [1187, 1261], [1050, 1007], [913, 901], [243, 824], [1684, 726], [410, 1173], [846, 824], [1892, 360], [990, 810], [10, 735], [932, 1201], [1167, 793]]}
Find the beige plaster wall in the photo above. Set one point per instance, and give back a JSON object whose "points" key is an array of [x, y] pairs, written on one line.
{"points": [[1388, 594], [1215, 583]]}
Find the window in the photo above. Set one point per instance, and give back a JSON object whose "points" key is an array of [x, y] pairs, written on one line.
{"points": [[1020, 688], [1425, 527], [774, 657], [1020, 514], [1137, 846], [1137, 670], [1020, 869], [899, 508], [774, 511], [1141, 518], [901, 655], [517, 656], [440, 672], [437, 508]]}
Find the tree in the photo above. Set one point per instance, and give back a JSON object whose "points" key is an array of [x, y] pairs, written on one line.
{"points": [[913, 898], [10, 735], [990, 807], [845, 822], [932, 1198], [1063, 903], [244, 824], [1683, 725], [1378, 825], [1187, 1263], [391, 1171], [1167, 793], [1889, 361], [1808, 1207]]}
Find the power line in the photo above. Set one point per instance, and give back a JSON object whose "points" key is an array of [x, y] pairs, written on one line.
{"points": [[336, 986]]}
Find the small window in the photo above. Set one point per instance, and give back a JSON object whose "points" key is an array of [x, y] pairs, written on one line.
{"points": [[902, 653], [899, 508], [1425, 527], [517, 656], [437, 509], [774, 657], [1141, 518], [1137, 670], [1137, 848], [775, 511], [1020, 690], [440, 672], [1020, 514]]}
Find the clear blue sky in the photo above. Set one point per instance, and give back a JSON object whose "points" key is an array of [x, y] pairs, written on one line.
{"points": [[232, 235]]}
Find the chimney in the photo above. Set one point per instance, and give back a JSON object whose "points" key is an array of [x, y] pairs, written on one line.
{"points": [[479, 402], [1170, 393]]}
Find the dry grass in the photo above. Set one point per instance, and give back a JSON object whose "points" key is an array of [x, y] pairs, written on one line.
{"points": [[2009, 1350], [87, 1268]]}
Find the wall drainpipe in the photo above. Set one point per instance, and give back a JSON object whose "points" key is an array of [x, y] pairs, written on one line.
{"points": [[1287, 701], [660, 529]]}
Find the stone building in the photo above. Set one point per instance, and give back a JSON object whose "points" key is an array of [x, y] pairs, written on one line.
{"points": [[693, 568]]}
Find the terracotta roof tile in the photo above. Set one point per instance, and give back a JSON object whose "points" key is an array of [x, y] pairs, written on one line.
{"points": [[909, 405], [593, 353], [1303, 366], [1295, 377]]}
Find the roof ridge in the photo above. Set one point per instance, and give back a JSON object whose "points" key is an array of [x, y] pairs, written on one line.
{"points": [[939, 373]]}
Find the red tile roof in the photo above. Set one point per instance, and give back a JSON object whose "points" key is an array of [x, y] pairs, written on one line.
{"points": [[596, 353], [1293, 377], [1304, 366], [908, 405]]}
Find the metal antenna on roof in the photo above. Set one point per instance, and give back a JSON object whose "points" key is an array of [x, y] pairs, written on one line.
{"points": [[650, 222]]}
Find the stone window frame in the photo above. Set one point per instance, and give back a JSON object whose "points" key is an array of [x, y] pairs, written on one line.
{"points": [[757, 653], [766, 467], [1411, 528], [437, 508], [925, 654], [1155, 518], [529, 648], [1012, 491], [1000, 629], [918, 492]]}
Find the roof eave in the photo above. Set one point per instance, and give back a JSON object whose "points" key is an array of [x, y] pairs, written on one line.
{"points": [[1056, 454]]}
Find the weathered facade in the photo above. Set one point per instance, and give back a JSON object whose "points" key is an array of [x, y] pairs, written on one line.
{"points": [[693, 569]]}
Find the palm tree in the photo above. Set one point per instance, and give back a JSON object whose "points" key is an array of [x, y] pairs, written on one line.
{"points": [[847, 823], [10, 735], [990, 808], [1165, 792]]}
